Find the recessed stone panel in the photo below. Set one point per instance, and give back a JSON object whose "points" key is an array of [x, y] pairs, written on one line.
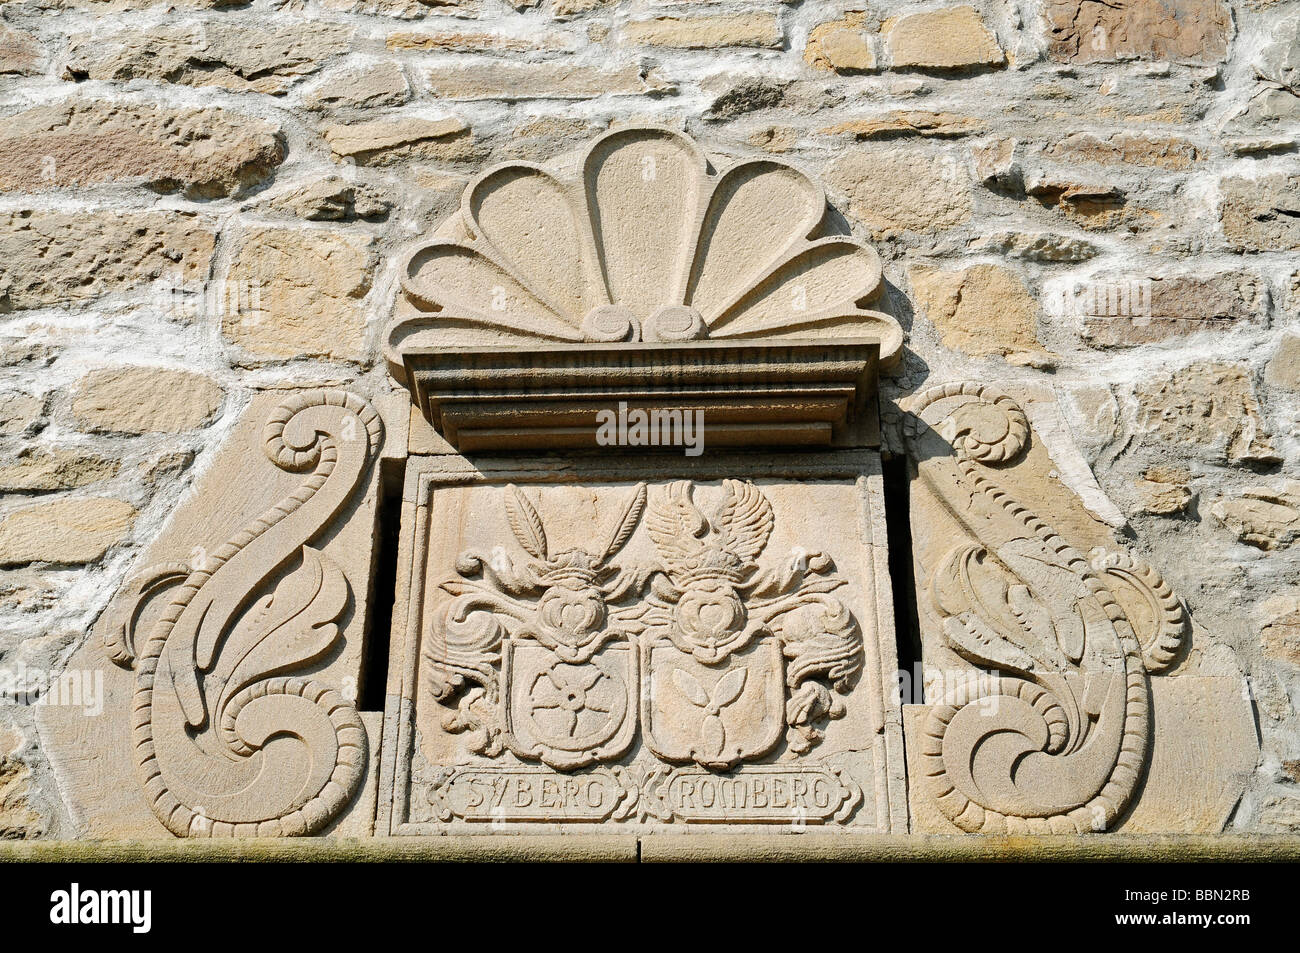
{"points": [[608, 647]]}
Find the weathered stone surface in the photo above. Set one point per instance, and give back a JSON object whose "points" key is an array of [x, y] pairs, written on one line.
{"points": [[997, 166], [330, 199], [1095, 205], [841, 46], [1261, 214], [17, 353], [1263, 517], [69, 530], [514, 81], [981, 310], [1280, 814], [18, 819], [165, 466], [35, 469], [705, 32], [1210, 406], [1035, 246], [1164, 491], [775, 139], [746, 97], [948, 39], [1086, 31], [1260, 145], [20, 52], [1202, 756], [476, 42], [1278, 74], [383, 84], [372, 143], [1162, 152], [569, 8], [28, 591], [1283, 370], [1280, 630], [51, 257], [20, 413], [312, 283], [1127, 311], [902, 123], [138, 400], [263, 60], [206, 153], [897, 190]]}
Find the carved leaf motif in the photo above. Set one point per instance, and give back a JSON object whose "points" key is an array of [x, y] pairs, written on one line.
{"points": [[290, 628], [729, 688], [525, 523], [689, 687], [744, 519], [627, 525], [712, 736]]}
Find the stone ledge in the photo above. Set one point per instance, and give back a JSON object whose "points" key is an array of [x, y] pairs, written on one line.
{"points": [[666, 848]]}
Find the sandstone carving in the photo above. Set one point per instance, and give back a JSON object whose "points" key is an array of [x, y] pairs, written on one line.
{"points": [[679, 658], [647, 244], [229, 739], [544, 278], [1052, 734], [704, 625]]}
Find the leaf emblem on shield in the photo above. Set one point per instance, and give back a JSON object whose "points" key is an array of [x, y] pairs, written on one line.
{"points": [[713, 734]]}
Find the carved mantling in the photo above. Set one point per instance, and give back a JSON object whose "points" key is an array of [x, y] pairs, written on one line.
{"points": [[642, 275]]}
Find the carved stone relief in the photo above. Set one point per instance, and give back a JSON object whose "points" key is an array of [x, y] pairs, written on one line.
{"points": [[643, 642], [648, 652], [639, 272], [1041, 639], [241, 649]]}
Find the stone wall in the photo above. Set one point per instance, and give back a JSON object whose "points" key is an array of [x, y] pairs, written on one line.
{"points": [[204, 200]]}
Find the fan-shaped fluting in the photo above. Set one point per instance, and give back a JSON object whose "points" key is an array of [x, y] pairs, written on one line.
{"points": [[757, 212], [529, 219], [643, 192]]}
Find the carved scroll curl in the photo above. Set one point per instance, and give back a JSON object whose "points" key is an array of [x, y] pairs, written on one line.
{"points": [[1053, 737], [228, 740]]}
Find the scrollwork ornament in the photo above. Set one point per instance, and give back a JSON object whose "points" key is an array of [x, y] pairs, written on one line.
{"points": [[229, 740], [1056, 740]]}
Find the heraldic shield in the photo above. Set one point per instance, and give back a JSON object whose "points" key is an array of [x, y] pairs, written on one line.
{"points": [[568, 714], [715, 715]]}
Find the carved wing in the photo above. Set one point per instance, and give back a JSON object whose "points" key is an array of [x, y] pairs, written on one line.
{"points": [[676, 524], [744, 519]]}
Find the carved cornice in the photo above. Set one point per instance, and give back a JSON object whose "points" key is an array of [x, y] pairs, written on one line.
{"points": [[647, 276]]}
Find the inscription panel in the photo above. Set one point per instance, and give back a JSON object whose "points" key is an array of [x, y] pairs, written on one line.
{"points": [[616, 652]]}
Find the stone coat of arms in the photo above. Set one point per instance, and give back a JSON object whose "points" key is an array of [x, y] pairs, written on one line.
{"points": [[564, 658]]}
